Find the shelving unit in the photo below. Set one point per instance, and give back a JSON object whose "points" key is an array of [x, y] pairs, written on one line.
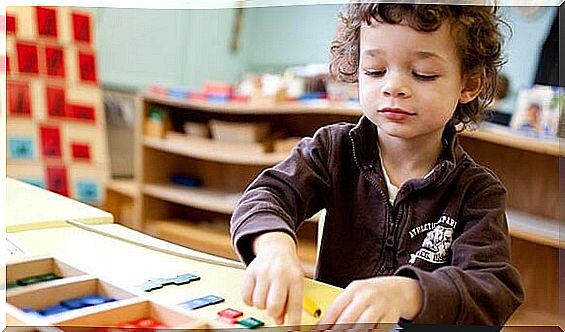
{"points": [[529, 168], [198, 217]]}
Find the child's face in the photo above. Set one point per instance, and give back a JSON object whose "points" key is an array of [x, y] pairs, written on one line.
{"points": [[409, 81]]}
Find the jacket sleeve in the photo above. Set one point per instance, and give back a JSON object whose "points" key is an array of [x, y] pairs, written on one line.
{"points": [[282, 197], [480, 287]]}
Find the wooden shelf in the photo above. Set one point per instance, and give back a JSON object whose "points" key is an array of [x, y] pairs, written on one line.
{"points": [[525, 317], [314, 107], [214, 238], [505, 136], [535, 229], [125, 187], [211, 150], [199, 197]]}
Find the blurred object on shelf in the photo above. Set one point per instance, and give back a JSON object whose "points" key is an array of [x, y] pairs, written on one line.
{"points": [[535, 114], [239, 132], [337, 91], [217, 91], [267, 89], [285, 144], [120, 109], [155, 123], [196, 129]]}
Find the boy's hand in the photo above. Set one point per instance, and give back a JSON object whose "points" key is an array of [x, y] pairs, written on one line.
{"points": [[274, 279], [375, 300]]}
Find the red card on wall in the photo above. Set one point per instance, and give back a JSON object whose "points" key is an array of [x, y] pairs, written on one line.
{"points": [[10, 24], [7, 64], [46, 21], [57, 180], [27, 58], [81, 27], [54, 61], [56, 101], [81, 151], [50, 142], [81, 112], [19, 101], [87, 66]]}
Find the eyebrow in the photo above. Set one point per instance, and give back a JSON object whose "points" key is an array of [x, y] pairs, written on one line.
{"points": [[419, 54]]}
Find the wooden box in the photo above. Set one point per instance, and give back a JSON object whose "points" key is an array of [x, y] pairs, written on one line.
{"points": [[37, 266], [137, 309], [239, 132]]}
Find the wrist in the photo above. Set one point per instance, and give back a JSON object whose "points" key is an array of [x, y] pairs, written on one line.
{"points": [[412, 297], [275, 241]]}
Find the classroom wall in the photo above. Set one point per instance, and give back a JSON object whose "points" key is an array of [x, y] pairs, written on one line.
{"points": [[186, 47]]}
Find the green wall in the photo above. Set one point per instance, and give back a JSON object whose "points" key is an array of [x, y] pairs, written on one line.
{"points": [[138, 47]]}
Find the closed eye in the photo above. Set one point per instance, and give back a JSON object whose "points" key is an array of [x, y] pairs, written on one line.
{"points": [[374, 73], [424, 77]]}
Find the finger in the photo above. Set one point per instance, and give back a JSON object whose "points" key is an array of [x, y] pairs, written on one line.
{"points": [[334, 311], [349, 316], [367, 320], [294, 306], [247, 289], [260, 293], [276, 301]]}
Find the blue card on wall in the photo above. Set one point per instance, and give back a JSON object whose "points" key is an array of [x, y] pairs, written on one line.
{"points": [[34, 182], [21, 148], [88, 191]]}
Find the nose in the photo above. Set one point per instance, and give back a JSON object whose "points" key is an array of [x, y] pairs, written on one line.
{"points": [[396, 86]]}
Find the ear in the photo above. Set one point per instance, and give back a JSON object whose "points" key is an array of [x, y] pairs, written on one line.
{"points": [[472, 86]]}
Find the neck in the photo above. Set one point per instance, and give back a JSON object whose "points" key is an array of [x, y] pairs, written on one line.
{"points": [[404, 159]]}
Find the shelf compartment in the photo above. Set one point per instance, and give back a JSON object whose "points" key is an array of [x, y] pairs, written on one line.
{"points": [[535, 229], [124, 187], [208, 149], [38, 266], [135, 310], [200, 198], [46, 296]]}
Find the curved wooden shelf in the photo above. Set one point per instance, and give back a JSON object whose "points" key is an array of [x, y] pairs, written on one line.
{"points": [[314, 107], [505, 136], [211, 150], [201, 198], [125, 187], [535, 229]]}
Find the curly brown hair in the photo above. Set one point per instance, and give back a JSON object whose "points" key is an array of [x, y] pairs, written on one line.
{"points": [[475, 29]]}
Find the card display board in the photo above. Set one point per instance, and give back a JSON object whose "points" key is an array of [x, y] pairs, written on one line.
{"points": [[55, 119]]}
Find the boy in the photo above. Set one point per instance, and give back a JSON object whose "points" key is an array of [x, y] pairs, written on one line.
{"points": [[415, 230]]}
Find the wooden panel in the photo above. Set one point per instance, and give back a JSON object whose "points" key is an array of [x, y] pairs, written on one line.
{"points": [[532, 179]]}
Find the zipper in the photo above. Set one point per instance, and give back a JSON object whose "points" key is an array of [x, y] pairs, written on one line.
{"points": [[381, 262]]}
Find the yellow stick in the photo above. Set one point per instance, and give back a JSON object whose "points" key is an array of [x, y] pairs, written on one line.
{"points": [[311, 307]]}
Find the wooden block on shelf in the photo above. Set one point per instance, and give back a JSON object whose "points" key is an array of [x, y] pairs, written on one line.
{"points": [[239, 132], [24, 17], [135, 311]]}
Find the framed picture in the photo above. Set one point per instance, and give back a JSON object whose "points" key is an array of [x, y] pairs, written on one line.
{"points": [[536, 113]]}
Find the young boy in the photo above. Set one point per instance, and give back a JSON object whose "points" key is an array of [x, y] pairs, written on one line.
{"points": [[415, 229]]}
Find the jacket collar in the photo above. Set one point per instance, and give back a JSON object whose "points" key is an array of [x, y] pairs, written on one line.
{"points": [[366, 151]]}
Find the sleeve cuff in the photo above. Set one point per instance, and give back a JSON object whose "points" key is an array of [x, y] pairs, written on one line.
{"points": [[256, 225], [442, 303]]}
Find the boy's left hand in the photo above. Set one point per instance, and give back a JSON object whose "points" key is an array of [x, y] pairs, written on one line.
{"points": [[375, 300]]}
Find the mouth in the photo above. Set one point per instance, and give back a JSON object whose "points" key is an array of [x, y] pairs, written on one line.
{"points": [[399, 111]]}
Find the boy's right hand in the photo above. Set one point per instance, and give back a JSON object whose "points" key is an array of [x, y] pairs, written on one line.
{"points": [[275, 278]]}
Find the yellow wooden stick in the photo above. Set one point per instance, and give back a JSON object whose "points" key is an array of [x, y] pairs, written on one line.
{"points": [[311, 307]]}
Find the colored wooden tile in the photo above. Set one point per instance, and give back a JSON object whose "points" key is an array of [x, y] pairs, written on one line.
{"points": [[81, 112], [88, 191], [46, 21], [80, 151], [81, 27], [10, 24], [19, 99], [21, 148], [54, 61], [87, 66], [27, 58], [56, 101], [50, 142], [57, 180]]}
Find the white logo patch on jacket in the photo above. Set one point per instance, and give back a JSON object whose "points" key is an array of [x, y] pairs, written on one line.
{"points": [[436, 245]]}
